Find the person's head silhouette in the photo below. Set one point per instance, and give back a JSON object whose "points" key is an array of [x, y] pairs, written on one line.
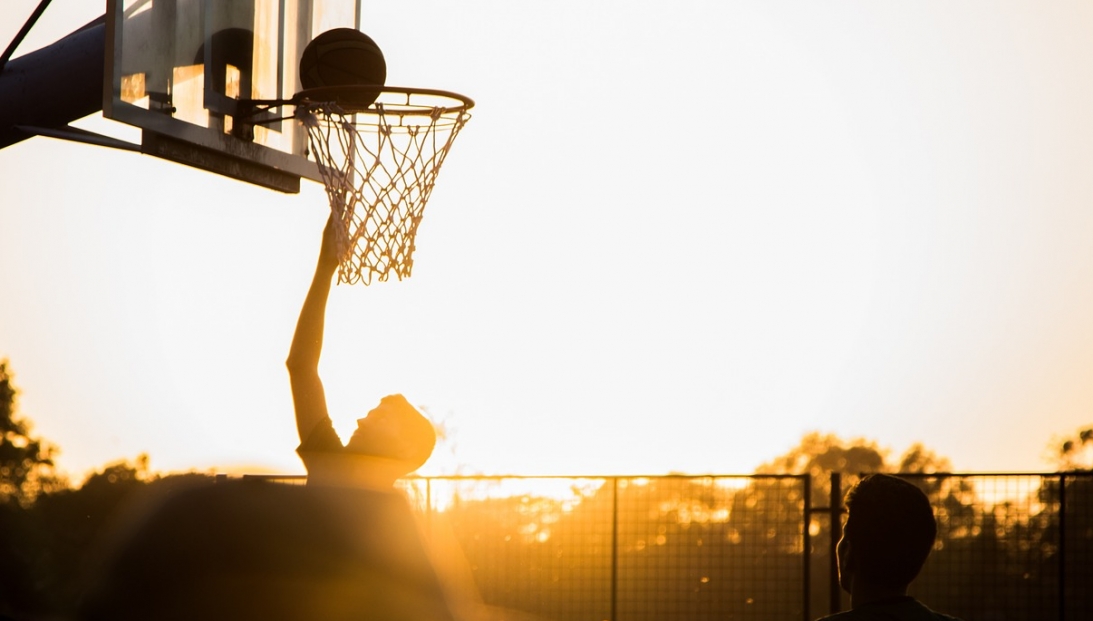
{"points": [[396, 430], [890, 530]]}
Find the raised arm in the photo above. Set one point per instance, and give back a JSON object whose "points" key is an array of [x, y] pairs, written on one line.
{"points": [[308, 395]]}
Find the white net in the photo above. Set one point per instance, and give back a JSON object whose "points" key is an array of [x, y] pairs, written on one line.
{"points": [[379, 167]]}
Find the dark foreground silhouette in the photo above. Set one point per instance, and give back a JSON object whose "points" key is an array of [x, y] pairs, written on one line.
{"points": [[257, 550]]}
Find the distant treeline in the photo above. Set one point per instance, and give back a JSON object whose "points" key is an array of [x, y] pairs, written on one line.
{"points": [[628, 549]]}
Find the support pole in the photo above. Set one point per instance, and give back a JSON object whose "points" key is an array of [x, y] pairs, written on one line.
{"points": [[836, 505], [806, 552], [1062, 546], [22, 34], [614, 548], [53, 86]]}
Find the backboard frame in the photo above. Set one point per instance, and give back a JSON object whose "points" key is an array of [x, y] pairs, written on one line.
{"points": [[277, 156]]}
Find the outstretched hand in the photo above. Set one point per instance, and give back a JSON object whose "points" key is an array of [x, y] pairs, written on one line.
{"points": [[328, 254]]}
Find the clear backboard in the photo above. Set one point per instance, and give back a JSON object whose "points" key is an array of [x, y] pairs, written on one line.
{"points": [[178, 68]]}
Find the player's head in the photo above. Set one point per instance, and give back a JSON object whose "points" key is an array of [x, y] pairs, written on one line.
{"points": [[890, 529], [395, 429]]}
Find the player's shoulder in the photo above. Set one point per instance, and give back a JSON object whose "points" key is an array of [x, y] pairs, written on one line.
{"points": [[322, 439], [847, 615], [932, 615], [903, 609]]}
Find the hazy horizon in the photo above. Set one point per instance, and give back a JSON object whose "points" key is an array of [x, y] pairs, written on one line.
{"points": [[674, 237]]}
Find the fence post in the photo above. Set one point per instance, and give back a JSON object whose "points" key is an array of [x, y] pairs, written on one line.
{"points": [[1062, 546], [429, 506], [614, 547], [807, 552], [836, 504]]}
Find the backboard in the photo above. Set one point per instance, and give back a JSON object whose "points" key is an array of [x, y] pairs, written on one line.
{"points": [[177, 69]]}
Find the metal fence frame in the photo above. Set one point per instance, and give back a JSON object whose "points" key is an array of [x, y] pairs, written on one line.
{"points": [[832, 512], [801, 482]]}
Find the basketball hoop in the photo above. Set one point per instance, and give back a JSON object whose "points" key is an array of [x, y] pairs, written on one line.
{"points": [[379, 162]]}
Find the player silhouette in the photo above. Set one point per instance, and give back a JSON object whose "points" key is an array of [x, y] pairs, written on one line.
{"points": [[890, 530], [346, 546], [393, 440]]}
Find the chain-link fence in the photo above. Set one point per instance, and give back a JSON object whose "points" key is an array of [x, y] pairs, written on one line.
{"points": [[1010, 546], [631, 548]]}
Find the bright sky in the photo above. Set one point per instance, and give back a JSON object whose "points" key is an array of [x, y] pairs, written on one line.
{"points": [[674, 237]]}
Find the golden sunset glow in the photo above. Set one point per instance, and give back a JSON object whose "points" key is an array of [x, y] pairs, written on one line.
{"points": [[675, 237]]}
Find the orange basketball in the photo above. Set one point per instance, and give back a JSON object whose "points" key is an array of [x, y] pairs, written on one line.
{"points": [[343, 57]]}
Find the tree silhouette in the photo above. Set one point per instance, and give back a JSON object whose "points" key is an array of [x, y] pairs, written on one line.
{"points": [[1075, 452], [48, 542], [26, 472], [26, 462], [48, 528]]}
